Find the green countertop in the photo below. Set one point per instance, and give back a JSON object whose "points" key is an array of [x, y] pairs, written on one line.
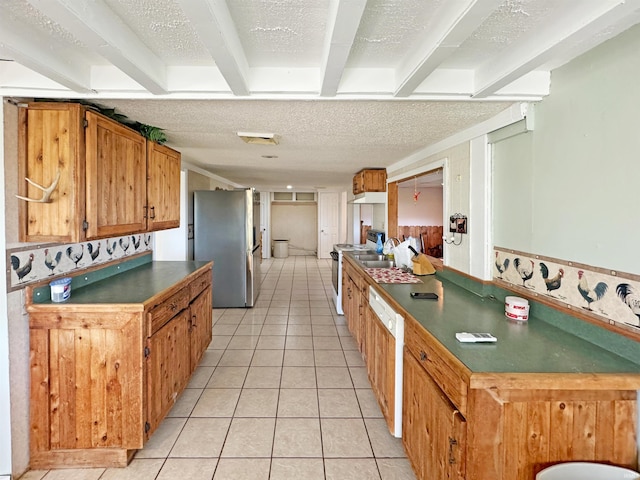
{"points": [[135, 285], [535, 346]]}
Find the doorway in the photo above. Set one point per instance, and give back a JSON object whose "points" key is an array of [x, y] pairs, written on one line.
{"points": [[296, 222], [329, 221], [419, 202]]}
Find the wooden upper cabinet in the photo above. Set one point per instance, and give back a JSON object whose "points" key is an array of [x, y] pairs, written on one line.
{"points": [[116, 178], [112, 181], [163, 187], [51, 142], [370, 180]]}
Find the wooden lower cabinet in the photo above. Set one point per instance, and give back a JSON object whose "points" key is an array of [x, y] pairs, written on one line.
{"points": [[200, 325], [351, 301], [464, 425], [434, 432], [104, 376], [355, 298], [87, 403], [168, 368], [517, 432], [508, 426], [380, 360]]}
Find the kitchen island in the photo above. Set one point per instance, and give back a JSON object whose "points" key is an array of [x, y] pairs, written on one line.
{"points": [[540, 395], [109, 363]]}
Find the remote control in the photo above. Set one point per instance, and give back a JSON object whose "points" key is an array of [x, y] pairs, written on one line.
{"points": [[475, 337]]}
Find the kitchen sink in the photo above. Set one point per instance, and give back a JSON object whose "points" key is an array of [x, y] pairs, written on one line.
{"points": [[377, 263], [370, 257]]}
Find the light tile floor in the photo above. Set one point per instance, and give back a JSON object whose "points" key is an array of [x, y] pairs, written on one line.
{"points": [[281, 393]]}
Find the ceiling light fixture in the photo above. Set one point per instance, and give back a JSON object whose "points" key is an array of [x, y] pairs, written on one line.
{"points": [[259, 138], [289, 187], [269, 156]]}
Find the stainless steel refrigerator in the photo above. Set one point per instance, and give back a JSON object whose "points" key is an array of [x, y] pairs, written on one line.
{"points": [[226, 228]]}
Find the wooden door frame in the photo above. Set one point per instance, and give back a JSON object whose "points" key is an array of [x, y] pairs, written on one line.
{"points": [[392, 193], [392, 209]]}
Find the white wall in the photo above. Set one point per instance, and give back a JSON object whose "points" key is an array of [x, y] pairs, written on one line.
{"points": [[297, 223], [512, 174], [172, 244], [17, 322], [426, 211], [379, 216], [571, 188], [197, 179], [5, 402]]}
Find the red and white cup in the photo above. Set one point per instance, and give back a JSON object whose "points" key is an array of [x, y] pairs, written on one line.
{"points": [[516, 308]]}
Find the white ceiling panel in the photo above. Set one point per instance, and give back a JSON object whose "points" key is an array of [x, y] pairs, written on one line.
{"points": [[389, 29], [31, 19], [164, 29], [281, 33]]}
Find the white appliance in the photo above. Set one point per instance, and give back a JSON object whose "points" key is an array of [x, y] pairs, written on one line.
{"points": [[394, 322], [336, 265]]}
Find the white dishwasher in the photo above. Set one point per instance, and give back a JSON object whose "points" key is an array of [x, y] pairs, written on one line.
{"points": [[394, 323]]}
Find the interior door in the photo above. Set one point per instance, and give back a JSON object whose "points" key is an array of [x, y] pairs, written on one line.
{"points": [[265, 221], [329, 214]]}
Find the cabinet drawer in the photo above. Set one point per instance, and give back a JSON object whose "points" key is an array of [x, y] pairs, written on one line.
{"points": [[201, 282], [161, 314], [359, 283], [432, 358]]}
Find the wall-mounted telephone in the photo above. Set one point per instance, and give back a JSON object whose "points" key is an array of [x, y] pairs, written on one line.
{"points": [[458, 223]]}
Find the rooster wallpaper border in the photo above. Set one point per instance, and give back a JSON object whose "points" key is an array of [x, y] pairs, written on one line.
{"points": [[33, 264], [605, 295]]}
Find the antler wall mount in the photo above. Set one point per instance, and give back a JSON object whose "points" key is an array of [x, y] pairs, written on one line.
{"points": [[46, 191]]}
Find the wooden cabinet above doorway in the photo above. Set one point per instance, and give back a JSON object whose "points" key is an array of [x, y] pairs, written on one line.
{"points": [[370, 180]]}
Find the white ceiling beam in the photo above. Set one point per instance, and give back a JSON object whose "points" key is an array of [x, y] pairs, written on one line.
{"points": [[342, 26], [212, 20], [525, 56], [104, 32], [38, 53], [454, 22]]}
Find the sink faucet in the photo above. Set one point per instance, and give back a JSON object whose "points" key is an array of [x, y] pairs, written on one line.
{"points": [[392, 241], [389, 245]]}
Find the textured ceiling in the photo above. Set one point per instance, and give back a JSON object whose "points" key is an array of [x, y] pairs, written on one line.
{"points": [[345, 84], [163, 27], [281, 33], [322, 143], [386, 30]]}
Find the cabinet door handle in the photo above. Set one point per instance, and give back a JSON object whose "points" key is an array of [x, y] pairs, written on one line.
{"points": [[153, 213], [423, 356], [193, 321], [452, 443], [173, 307], [145, 214]]}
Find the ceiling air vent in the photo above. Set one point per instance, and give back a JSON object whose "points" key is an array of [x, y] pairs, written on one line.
{"points": [[259, 138]]}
